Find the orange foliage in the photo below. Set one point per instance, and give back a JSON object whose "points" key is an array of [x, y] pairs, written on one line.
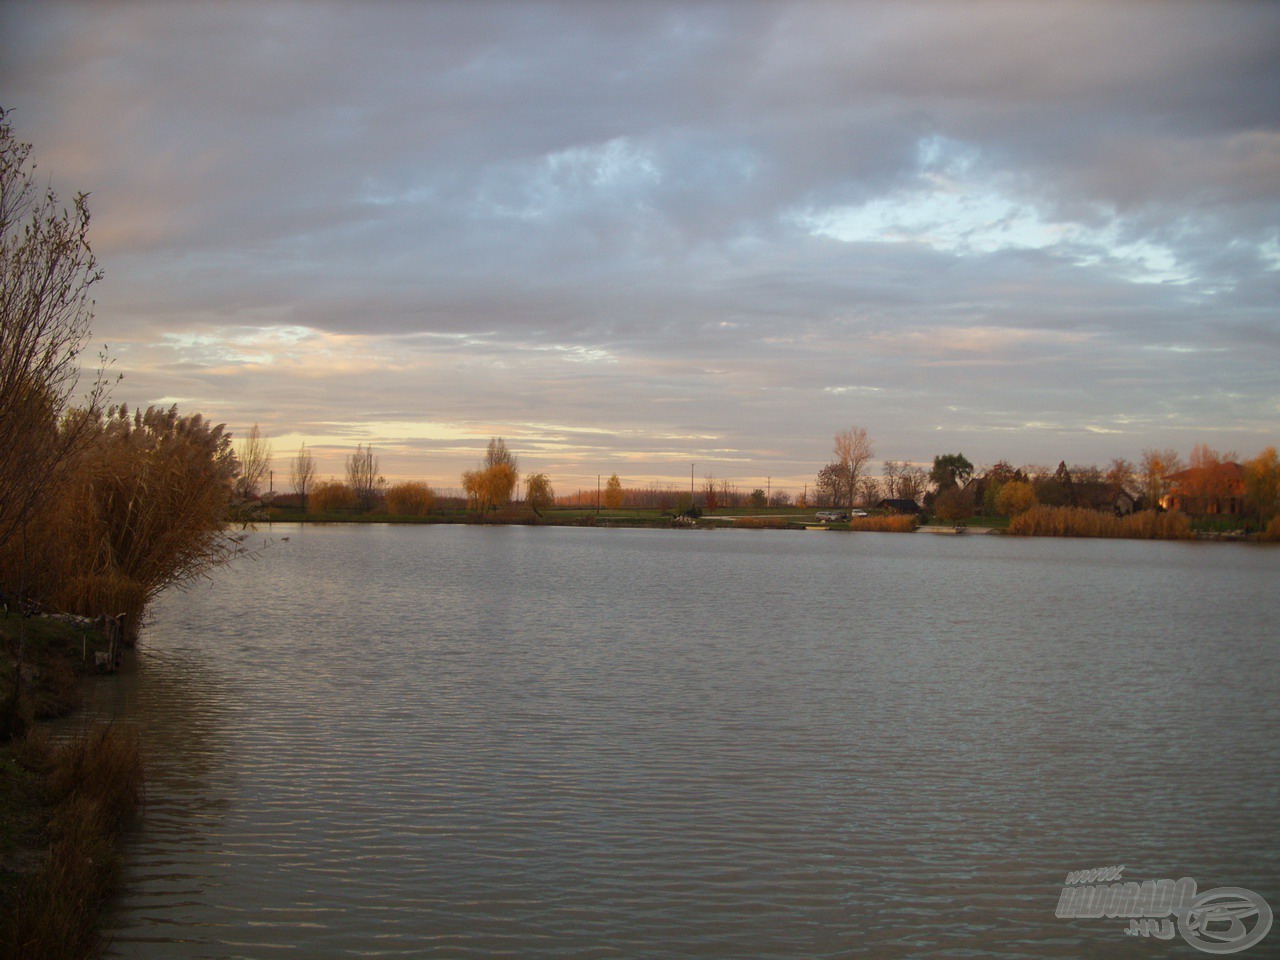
{"points": [[330, 497], [898, 523], [410, 499]]}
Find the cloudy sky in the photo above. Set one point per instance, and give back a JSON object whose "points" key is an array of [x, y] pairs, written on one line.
{"points": [[634, 236]]}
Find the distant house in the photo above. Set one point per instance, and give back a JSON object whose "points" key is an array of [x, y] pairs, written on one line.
{"points": [[1098, 495], [1215, 489], [1123, 502], [898, 506]]}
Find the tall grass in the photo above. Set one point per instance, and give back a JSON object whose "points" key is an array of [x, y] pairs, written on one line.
{"points": [[93, 784], [895, 523], [1046, 521], [142, 507]]}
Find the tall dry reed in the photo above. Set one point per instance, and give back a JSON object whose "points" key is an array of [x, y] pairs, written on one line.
{"points": [[94, 783], [143, 507], [1046, 521], [896, 523]]}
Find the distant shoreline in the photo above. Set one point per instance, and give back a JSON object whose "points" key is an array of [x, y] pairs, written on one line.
{"points": [[793, 521]]}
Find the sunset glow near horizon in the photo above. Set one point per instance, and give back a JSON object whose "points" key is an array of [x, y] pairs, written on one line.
{"points": [[657, 237]]}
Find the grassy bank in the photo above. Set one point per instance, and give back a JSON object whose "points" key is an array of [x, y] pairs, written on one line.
{"points": [[62, 804]]}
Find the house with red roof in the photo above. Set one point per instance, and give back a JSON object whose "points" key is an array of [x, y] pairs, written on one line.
{"points": [[1214, 489]]}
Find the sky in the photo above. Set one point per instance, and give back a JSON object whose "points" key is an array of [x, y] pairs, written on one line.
{"points": [[664, 238]]}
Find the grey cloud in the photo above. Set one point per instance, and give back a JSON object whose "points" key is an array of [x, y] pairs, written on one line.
{"points": [[631, 180]]}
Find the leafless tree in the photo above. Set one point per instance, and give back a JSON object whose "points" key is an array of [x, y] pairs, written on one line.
{"points": [[255, 460], [912, 482], [1122, 474], [363, 476], [46, 272], [868, 492], [853, 451], [497, 455], [304, 474]]}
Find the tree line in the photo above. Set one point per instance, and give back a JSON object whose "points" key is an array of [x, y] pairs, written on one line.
{"points": [[951, 487], [955, 490]]}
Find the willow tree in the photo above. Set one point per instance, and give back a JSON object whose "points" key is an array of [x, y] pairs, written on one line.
{"points": [[492, 485], [538, 493]]}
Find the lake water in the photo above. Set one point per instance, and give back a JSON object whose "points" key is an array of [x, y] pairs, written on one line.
{"points": [[440, 741]]}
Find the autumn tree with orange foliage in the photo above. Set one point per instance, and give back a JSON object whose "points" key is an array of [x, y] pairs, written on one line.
{"points": [[331, 496], [410, 498], [492, 485], [1014, 498], [613, 493], [1262, 484]]}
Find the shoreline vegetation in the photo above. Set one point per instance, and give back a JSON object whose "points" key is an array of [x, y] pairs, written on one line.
{"points": [[1039, 521], [1214, 498], [63, 801], [101, 509]]}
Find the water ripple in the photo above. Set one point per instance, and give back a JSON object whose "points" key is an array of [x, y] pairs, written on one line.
{"points": [[454, 742]]}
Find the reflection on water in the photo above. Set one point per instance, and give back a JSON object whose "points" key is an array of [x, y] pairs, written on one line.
{"points": [[443, 741]]}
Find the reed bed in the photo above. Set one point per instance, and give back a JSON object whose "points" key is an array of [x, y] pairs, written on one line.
{"points": [[896, 523], [1045, 521], [93, 784]]}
